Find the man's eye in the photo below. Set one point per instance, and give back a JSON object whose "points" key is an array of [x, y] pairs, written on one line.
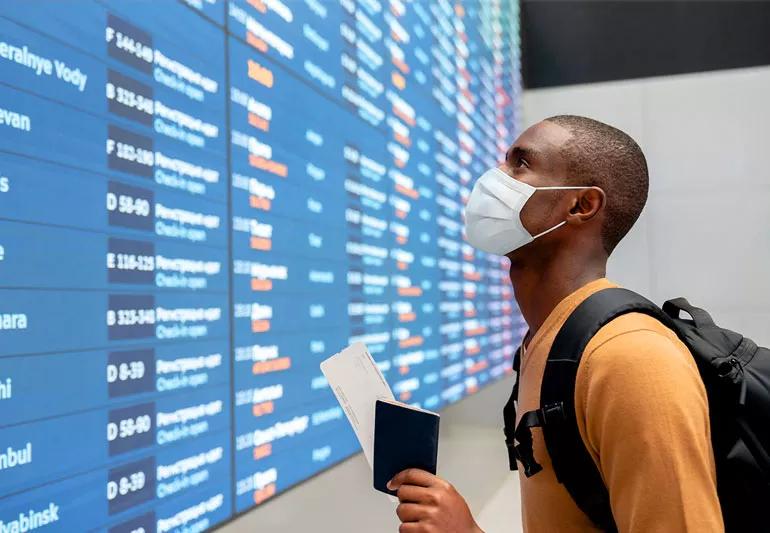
{"points": [[521, 162]]}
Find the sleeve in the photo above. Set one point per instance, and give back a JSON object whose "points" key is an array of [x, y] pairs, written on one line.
{"points": [[643, 414]]}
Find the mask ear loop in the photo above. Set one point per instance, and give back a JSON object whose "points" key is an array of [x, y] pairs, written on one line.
{"points": [[565, 187], [557, 226]]}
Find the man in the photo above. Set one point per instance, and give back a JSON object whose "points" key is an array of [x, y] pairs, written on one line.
{"points": [[577, 186]]}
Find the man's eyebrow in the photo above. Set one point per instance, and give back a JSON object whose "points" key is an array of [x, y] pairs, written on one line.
{"points": [[520, 151]]}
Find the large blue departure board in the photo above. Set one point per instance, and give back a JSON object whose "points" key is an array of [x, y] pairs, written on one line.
{"points": [[200, 201]]}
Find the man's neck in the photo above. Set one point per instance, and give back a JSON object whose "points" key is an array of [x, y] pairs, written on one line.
{"points": [[539, 288]]}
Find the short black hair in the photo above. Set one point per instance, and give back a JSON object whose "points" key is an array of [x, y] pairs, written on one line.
{"points": [[602, 156]]}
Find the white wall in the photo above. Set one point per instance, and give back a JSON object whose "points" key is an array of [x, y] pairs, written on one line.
{"points": [[705, 232]]}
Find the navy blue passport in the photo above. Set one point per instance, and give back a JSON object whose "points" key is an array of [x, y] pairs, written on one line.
{"points": [[404, 437]]}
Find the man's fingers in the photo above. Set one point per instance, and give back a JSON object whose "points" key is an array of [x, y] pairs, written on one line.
{"points": [[414, 494], [411, 512], [412, 476], [411, 527]]}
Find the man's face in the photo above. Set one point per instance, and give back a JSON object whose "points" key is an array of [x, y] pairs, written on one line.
{"points": [[535, 158]]}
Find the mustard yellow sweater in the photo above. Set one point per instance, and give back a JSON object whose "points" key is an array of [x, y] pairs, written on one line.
{"points": [[643, 415]]}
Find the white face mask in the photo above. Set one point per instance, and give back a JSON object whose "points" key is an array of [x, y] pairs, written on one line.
{"points": [[493, 214]]}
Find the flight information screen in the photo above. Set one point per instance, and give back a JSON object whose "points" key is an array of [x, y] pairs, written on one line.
{"points": [[200, 201]]}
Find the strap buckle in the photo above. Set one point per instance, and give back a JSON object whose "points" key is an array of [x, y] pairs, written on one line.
{"points": [[551, 414], [523, 452]]}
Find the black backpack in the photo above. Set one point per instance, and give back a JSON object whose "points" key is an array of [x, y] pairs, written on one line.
{"points": [[736, 375]]}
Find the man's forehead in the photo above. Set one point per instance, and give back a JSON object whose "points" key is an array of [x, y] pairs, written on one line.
{"points": [[543, 139]]}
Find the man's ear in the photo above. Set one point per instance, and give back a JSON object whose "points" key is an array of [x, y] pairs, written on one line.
{"points": [[586, 205]]}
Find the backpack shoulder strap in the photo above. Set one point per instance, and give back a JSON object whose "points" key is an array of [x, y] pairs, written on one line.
{"points": [[572, 463]]}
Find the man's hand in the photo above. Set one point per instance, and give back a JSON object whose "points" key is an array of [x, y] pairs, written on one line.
{"points": [[429, 504]]}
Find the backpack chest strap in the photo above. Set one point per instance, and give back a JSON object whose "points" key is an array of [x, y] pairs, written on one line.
{"points": [[522, 445]]}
